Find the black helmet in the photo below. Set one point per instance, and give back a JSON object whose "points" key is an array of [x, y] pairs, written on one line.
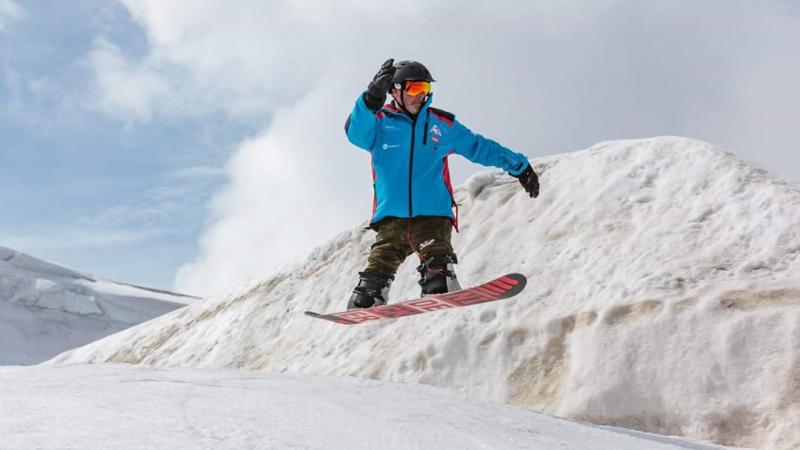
{"points": [[410, 70]]}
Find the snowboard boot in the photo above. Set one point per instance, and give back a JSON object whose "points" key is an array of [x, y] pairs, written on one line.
{"points": [[372, 290], [437, 276]]}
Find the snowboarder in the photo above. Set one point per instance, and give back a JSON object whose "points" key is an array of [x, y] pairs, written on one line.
{"points": [[409, 142]]}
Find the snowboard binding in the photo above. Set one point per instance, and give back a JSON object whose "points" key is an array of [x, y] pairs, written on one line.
{"points": [[437, 276], [372, 290]]}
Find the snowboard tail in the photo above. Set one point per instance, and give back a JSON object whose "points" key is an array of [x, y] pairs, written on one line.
{"points": [[498, 289]]}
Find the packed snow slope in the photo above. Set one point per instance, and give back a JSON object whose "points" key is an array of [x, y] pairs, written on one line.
{"points": [[124, 407], [46, 309], [663, 295]]}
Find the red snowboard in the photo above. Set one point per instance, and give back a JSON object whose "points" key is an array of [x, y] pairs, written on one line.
{"points": [[497, 289]]}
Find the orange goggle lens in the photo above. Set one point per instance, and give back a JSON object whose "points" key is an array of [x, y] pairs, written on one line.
{"points": [[415, 88]]}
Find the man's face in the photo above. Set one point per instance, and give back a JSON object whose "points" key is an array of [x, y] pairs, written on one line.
{"points": [[412, 103]]}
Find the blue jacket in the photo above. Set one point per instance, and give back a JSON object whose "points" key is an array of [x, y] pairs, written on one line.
{"points": [[409, 157]]}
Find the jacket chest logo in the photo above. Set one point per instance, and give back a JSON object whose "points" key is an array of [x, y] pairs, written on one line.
{"points": [[436, 133]]}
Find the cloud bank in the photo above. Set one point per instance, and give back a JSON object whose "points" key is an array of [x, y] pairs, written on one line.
{"points": [[540, 77]]}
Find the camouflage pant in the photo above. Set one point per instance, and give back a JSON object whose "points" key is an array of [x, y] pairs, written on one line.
{"points": [[398, 238]]}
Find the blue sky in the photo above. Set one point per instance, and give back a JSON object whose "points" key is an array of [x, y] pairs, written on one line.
{"points": [[197, 144], [113, 197]]}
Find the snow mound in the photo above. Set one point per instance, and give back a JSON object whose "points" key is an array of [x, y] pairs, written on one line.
{"points": [[134, 407], [663, 295], [46, 309]]}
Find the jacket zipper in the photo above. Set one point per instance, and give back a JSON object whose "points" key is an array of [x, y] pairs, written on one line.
{"points": [[411, 165], [425, 132]]}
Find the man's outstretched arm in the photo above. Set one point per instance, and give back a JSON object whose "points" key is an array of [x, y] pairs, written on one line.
{"points": [[487, 152]]}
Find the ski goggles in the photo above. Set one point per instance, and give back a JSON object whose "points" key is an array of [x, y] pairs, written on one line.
{"points": [[415, 88]]}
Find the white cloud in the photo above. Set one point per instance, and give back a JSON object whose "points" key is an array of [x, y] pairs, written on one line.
{"points": [[127, 89], [9, 11], [79, 238], [242, 58], [250, 58]]}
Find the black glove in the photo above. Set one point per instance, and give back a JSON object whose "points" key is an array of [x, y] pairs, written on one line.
{"points": [[379, 86], [529, 181]]}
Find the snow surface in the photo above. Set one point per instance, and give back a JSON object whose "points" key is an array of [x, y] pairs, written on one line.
{"points": [[663, 295], [46, 309], [125, 407]]}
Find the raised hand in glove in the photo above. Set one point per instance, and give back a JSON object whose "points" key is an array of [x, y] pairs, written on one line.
{"points": [[379, 86], [529, 181]]}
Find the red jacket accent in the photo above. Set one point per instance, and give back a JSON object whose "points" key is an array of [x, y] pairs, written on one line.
{"points": [[449, 184]]}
